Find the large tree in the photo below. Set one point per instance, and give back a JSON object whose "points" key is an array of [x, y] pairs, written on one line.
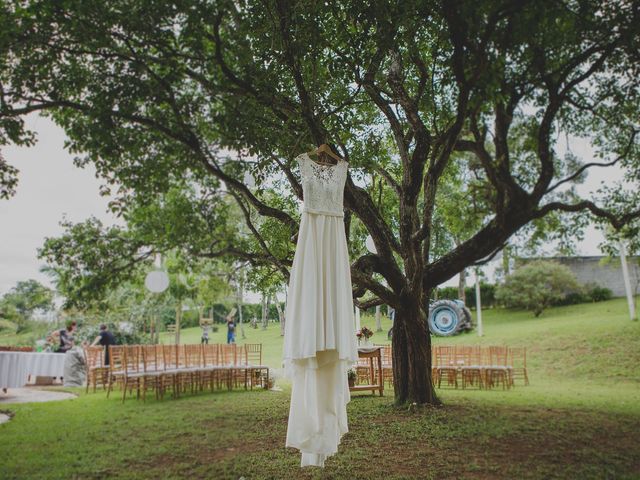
{"points": [[202, 93]]}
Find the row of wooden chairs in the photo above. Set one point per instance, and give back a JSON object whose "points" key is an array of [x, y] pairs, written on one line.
{"points": [[178, 368], [462, 366], [482, 366]]}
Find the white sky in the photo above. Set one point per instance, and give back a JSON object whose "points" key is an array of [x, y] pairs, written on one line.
{"points": [[50, 187]]}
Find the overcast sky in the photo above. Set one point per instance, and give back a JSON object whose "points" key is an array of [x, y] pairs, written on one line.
{"points": [[51, 187]]}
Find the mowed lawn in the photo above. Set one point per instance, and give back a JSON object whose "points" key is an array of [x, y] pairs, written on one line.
{"points": [[579, 418]]}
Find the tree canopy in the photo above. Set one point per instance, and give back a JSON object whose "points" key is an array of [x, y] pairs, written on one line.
{"points": [[217, 98]]}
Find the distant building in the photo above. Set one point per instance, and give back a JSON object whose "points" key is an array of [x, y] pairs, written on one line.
{"points": [[602, 271]]}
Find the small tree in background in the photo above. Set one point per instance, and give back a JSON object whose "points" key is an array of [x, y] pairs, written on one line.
{"points": [[536, 286], [23, 300]]}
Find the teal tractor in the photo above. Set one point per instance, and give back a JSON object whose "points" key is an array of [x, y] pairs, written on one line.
{"points": [[449, 317]]}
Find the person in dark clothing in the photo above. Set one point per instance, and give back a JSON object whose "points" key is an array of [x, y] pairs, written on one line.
{"points": [[231, 330], [105, 338], [66, 337]]}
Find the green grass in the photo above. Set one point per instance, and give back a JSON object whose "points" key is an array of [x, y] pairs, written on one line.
{"points": [[579, 418]]}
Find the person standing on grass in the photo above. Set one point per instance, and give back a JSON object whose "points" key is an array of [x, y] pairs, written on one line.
{"points": [[231, 330], [205, 334], [105, 338]]}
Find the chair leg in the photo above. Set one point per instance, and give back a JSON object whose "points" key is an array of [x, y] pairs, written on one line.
{"points": [[124, 390]]}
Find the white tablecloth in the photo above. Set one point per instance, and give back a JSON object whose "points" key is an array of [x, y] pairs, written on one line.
{"points": [[15, 367]]}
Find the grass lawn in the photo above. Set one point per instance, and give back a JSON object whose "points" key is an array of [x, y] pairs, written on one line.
{"points": [[580, 418]]}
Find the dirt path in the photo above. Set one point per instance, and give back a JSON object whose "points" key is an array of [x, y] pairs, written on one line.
{"points": [[28, 395]]}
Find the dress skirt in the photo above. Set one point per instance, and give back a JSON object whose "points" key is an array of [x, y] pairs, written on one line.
{"points": [[320, 342]]}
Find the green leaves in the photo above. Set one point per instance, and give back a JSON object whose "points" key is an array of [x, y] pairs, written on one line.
{"points": [[19, 304], [448, 113], [536, 286]]}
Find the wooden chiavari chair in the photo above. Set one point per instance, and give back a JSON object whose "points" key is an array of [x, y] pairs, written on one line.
{"points": [[194, 363], [116, 366], [167, 373], [212, 370], [498, 369], [387, 362], [171, 360], [518, 362], [132, 372], [152, 370], [471, 368], [96, 370], [258, 373], [446, 364], [227, 359], [185, 373]]}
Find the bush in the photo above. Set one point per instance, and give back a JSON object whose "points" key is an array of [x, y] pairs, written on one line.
{"points": [[574, 298], [538, 285], [487, 294], [124, 336], [599, 294]]}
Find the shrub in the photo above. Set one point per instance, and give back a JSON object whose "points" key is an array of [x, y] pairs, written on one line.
{"points": [[487, 294], [599, 294], [124, 336], [574, 298], [538, 285]]}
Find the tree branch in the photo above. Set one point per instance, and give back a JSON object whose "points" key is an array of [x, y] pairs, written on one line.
{"points": [[584, 167], [616, 222]]}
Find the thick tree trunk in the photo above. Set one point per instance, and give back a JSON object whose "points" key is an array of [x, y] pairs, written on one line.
{"points": [[412, 356]]}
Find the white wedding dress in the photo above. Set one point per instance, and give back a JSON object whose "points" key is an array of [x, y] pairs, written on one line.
{"points": [[319, 338]]}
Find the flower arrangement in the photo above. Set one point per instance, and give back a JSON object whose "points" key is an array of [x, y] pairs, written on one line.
{"points": [[365, 333], [351, 377]]}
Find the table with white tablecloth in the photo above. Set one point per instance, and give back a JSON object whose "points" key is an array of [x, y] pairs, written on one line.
{"points": [[15, 367]]}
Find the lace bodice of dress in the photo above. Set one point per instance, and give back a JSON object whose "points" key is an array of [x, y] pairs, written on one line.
{"points": [[322, 186]]}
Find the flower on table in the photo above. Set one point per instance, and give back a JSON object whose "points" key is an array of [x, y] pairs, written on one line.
{"points": [[365, 333]]}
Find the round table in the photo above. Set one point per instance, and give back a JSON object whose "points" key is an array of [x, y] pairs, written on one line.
{"points": [[15, 367]]}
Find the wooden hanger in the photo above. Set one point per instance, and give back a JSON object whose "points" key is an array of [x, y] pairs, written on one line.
{"points": [[325, 149]]}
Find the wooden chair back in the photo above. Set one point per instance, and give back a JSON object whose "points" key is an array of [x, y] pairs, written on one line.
{"points": [[94, 357], [210, 354], [171, 356], [253, 353], [445, 355], [498, 356], [227, 354], [150, 358], [116, 358], [132, 361], [470, 355], [193, 355]]}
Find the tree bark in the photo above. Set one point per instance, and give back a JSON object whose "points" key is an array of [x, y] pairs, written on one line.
{"points": [[240, 302], [178, 318], [266, 300], [412, 355]]}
